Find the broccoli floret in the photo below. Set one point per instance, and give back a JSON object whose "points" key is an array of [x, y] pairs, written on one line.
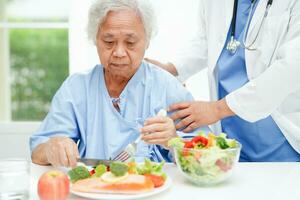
{"points": [[118, 168], [99, 170], [78, 173]]}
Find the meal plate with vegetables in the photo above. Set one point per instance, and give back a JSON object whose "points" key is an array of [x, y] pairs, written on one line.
{"points": [[119, 180]]}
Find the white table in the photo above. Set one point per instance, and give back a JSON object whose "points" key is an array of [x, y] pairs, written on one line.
{"points": [[250, 181]]}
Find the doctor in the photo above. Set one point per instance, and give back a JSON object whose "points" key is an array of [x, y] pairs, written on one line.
{"points": [[252, 51]]}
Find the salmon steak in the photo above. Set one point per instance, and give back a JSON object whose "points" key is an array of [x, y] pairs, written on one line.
{"points": [[131, 184]]}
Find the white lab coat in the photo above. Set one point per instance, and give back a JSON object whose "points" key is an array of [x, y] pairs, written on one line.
{"points": [[273, 69]]}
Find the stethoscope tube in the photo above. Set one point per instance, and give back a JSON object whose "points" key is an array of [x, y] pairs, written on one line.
{"points": [[233, 44], [233, 21]]}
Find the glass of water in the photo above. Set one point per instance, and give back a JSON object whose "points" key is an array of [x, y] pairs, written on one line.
{"points": [[14, 179]]}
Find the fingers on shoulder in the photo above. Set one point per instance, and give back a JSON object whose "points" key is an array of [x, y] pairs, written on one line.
{"points": [[181, 105]]}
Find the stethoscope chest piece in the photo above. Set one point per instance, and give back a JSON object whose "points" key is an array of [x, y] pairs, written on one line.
{"points": [[233, 45]]}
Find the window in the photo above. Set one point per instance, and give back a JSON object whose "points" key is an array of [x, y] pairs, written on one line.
{"points": [[34, 58]]}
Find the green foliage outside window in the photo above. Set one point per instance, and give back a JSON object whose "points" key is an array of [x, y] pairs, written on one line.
{"points": [[39, 65]]}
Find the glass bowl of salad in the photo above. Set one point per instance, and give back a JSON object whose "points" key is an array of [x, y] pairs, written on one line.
{"points": [[206, 159]]}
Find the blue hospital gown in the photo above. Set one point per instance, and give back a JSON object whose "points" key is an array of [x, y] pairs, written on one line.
{"points": [[82, 110]]}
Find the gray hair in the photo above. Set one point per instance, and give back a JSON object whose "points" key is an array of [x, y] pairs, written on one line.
{"points": [[100, 8]]}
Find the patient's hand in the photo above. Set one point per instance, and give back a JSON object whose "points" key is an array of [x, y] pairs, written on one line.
{"points": [[158, 130], [61, 151]]}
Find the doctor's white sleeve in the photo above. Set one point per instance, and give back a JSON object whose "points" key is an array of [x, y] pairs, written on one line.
{"points": [[193, 56], [261, 96]]}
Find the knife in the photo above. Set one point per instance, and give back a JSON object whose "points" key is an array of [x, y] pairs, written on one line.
{"points": [[94, 162]]}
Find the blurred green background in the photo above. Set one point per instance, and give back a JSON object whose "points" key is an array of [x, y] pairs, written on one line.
{"points": [[39, 64]]}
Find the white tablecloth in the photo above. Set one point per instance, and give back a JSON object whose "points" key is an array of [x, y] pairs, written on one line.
{"points": [[250, 181]]}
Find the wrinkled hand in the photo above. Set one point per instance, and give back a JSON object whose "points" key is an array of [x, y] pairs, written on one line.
{"points": [[61, 151], [158, 130], [198, 113]]}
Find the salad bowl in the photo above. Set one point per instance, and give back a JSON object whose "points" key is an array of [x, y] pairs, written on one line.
{"points": [[206, 160]]}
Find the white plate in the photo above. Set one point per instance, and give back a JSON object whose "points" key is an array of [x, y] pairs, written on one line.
{"points": [[167, 184]]}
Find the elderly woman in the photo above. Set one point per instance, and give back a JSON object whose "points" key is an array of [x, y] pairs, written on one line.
{"points": [[96, 114]]}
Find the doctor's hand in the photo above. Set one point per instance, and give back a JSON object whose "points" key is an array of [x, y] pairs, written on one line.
{"points": [[158, 130], [199, 113], [166, 66], [61, 151]]}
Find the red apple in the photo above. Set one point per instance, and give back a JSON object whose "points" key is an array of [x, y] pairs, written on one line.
{"points": [[53, 185]]}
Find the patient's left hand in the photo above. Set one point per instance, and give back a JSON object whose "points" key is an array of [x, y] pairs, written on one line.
{"points": [[158, 130]]}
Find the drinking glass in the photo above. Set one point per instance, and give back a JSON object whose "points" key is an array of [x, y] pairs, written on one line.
{"points": [[14, 179]]}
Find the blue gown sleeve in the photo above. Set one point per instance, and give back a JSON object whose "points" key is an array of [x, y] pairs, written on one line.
{"points": [[60, 121], [175, 93]]}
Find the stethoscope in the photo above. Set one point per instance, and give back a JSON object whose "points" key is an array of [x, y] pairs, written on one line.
{"points": [[234, 44]]}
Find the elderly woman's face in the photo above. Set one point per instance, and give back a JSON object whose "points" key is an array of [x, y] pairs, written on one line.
{"points": [[121, 43]]}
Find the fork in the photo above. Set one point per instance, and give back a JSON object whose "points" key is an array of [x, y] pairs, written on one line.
{"points": [[130, 149]]}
